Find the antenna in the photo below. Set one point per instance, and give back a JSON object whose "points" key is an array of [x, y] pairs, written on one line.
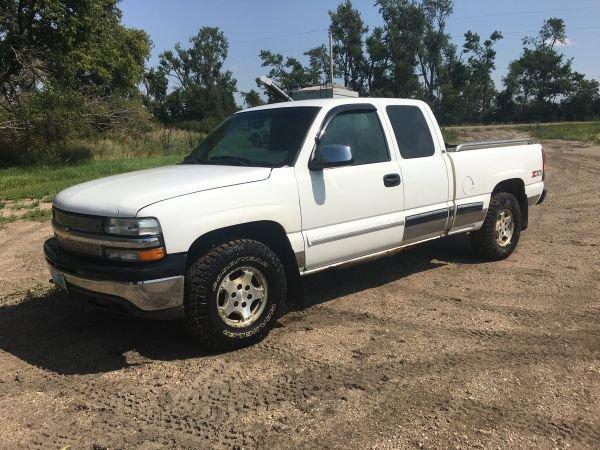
{"points": [[272, 87], [330, 57]]}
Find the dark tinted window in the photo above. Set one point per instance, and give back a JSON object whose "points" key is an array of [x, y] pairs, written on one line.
{"points": [[411, 131], [270, 138], [360, 130]]}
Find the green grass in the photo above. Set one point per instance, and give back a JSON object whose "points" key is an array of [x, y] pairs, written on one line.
{"points": [[585, 132], [37, 214], [450, 135], [43, 182]]}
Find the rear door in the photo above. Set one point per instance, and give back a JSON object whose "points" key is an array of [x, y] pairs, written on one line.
{"points": [[425, 173], [352, 210]]}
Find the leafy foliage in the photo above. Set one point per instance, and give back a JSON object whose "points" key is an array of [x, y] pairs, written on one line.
{"points": [[411, 55], [203, 92], [67, 69], [541, 85]]}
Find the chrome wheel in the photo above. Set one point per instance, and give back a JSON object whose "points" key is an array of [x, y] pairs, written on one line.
{"points": [[242, 296], [505, 227]]}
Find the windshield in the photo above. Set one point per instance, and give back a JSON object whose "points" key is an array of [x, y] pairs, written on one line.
{"points": [[265, 138]]}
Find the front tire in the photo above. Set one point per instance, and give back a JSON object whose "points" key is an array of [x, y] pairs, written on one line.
{"points": [[499, 235], [234, 294]]}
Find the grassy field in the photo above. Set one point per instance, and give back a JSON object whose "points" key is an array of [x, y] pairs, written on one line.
{"points": [[23, 191], [26, 191], [585, 132], [450, 135], [44, 182]]}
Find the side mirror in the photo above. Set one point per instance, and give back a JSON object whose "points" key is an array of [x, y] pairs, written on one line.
{"points": [[332, 155]]}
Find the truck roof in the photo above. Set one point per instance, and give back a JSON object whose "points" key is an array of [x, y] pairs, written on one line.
{"points": [[330, 102]]}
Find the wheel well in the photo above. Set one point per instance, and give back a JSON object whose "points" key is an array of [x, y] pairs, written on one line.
{"points": [[270, 233], [516, 187]]}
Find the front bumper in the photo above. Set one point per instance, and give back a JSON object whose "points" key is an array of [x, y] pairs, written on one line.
{"points": [[142, 289]]}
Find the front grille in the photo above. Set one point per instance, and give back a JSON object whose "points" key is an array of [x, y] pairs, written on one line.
{"points": [[79, 222]]}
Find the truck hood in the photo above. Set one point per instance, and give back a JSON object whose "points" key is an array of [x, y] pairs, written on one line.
{"points": [[125, 194]]}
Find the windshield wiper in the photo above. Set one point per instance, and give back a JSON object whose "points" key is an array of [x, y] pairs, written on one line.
{"points": [[238, 160], [190, 159]]}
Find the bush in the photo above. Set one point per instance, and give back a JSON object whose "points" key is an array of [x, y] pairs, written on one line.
{"points": [[204, 126], [48, 126]]}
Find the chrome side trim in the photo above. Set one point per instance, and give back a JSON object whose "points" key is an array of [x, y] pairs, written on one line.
{"points": [[468, 214], [312, 242], [106, 241], [375, 255], [470, 207], [424, 225], [489, 144], [469, 218], [149, 295]]}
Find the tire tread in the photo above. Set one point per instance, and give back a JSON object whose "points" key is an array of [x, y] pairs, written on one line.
{"points": [[201, 274]]}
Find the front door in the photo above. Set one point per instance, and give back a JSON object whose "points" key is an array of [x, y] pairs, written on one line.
{"points": [[353, 210]]}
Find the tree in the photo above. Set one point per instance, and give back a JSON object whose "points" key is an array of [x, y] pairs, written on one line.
{"points": [[203, 91], [480, 87], [402, 34], [156, 86], [377, 68], [540, 76], [433, 43], [452, 105], [67, 68], [348, 29], [290, 74], [583, 100], [318, 65], [252, 98], [71, 43]]}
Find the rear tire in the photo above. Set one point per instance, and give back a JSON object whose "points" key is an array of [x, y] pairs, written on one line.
{"points": [[234, 294], [499, 235]]}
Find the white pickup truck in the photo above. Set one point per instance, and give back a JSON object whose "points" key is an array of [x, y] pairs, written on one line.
{"points": [[278, 192]]}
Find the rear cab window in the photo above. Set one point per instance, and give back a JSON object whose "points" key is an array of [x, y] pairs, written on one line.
{"points": [[411, 131]]}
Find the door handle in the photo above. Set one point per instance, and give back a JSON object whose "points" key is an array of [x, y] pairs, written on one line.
{"points": [[391, 179]]}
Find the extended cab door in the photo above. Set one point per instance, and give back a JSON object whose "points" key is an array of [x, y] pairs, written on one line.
{"points": [[352, 210], [425, 172]]}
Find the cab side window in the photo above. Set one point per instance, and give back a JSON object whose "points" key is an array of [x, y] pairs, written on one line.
{"points": [[411, 130], [362, 131]]}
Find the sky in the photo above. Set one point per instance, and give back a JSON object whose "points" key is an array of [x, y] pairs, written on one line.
{"points": [[292, 27]]}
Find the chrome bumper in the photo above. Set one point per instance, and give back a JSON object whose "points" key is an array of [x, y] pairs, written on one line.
{"points": [[147, 296]]}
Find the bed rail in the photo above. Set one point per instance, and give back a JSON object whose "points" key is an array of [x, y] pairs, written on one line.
{"points": [[488, 144]]}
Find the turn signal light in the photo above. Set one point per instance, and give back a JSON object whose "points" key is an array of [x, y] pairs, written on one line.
{"points": [[153, 254], [132, 255]]}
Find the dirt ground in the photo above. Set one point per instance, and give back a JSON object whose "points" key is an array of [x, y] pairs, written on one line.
{"points": [[427, 348]]}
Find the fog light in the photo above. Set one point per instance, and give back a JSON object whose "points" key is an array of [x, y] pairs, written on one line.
{"points": [[129, 255]]}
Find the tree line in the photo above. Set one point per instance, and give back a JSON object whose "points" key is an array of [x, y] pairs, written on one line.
{"points": [[71, 70], [412, 55]]}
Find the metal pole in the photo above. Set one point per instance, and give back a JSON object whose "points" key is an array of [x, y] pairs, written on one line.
{"points": [[331, 58]]}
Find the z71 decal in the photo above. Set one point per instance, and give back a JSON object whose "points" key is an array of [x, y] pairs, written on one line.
{"points": [[536, 173]]}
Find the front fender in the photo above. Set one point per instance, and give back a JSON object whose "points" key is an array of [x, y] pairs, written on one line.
{"points": [[183, 219]]}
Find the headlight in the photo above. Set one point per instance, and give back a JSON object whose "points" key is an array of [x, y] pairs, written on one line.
{"points": [[132, 227]]}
